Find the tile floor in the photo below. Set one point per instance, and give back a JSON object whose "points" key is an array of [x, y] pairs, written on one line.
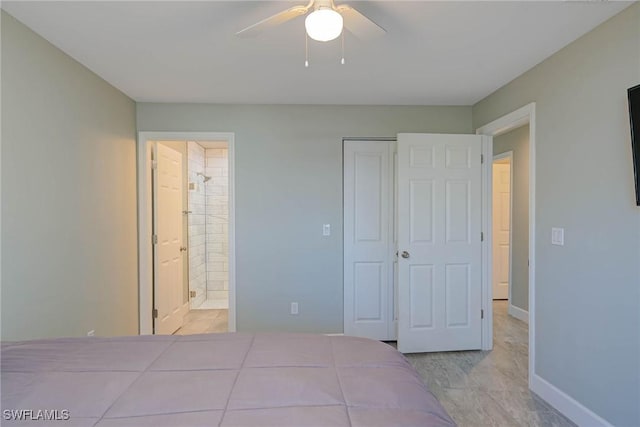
{"points": [[477, 388], [204, 322], [489, 388], [213, 304]]}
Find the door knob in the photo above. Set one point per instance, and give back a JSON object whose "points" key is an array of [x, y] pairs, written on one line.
{"points": [[183, 248], [405, 254]]}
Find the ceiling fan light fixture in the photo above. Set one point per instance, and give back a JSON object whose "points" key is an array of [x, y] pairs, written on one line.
{"points": [[324, 24]]}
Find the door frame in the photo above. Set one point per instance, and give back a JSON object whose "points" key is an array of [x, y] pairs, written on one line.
{"points": [[507, 155], [486, 200], [145, 221], [520, 117]]}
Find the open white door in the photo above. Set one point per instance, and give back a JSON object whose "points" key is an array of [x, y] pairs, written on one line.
{"points": [[439, 242], [369, 239], [501, 228], [168, 286]]}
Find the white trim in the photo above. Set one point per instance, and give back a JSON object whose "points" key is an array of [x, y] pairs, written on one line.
{"points": [[518, 313], [505, 155], [145, 209], [567, 405], [513, 120], [487, 247], [507, 123]]}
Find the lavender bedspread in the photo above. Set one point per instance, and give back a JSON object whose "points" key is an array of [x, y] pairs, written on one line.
{"points": [[217, 379]]}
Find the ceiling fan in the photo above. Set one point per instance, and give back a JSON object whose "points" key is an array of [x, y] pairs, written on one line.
{"points": [[324, 24]]}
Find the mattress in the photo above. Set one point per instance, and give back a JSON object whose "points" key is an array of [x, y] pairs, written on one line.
{"points": [[231, 379]]}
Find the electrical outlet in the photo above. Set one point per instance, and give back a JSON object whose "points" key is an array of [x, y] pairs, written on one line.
{"points": [[294, 308], [91, 333]]}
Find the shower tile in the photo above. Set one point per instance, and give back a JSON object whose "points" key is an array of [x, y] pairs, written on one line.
{"points": [[216, 285], [216, 257], [213, 172], [221, 181], [216, 162], [208, 224], [218, 295], [214, 246], [216, 266], [217, 276]]}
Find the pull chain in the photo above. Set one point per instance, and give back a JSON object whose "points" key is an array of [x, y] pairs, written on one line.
{"points": [[342, 60], [306, 50]]}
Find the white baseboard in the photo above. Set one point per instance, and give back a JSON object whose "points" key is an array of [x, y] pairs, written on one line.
{"points": [[518, 313], [334, 335], [567, 405]]}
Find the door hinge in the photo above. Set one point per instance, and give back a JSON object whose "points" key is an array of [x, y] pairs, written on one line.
{"points": [[481, 313], [481, 158], [155, 313], [154, 239], [154, 164], [482, 236]]}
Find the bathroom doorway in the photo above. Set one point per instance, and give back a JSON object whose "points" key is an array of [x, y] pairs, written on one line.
{"points": [[207, 242]]}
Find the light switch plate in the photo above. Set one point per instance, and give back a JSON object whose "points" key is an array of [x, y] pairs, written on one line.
{"points": [[294, 308], [557, 236], [326, 229]]}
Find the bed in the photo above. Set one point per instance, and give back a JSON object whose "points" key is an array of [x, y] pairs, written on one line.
{"points": [[231, 379]]}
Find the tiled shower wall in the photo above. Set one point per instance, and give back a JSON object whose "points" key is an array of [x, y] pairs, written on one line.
{"points": [[197, 229], [217, 213]]}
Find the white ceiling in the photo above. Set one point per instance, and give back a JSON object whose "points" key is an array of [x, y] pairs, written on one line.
{"points": [[434, 53]]}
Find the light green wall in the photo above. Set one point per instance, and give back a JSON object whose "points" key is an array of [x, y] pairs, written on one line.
{"points": [[68, 203], [518, 141], [68, 195], [587, 307], [289, 183]]}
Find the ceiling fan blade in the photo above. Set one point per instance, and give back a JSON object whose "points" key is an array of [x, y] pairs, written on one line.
{"points": [[272, 21], [361, 26]]}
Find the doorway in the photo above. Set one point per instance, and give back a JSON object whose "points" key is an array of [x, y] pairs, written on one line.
{"points": [[208, 213], [413, 245], [203, 228], [515, 133], [511, 221], [501, 195]]}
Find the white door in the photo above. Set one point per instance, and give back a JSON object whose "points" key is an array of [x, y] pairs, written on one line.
{"points": [[439, 241], [369, 239], [168, 286], [501, 227]]}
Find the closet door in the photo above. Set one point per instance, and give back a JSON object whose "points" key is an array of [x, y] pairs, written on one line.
{"points": [[369, 248], [439, 242]]}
